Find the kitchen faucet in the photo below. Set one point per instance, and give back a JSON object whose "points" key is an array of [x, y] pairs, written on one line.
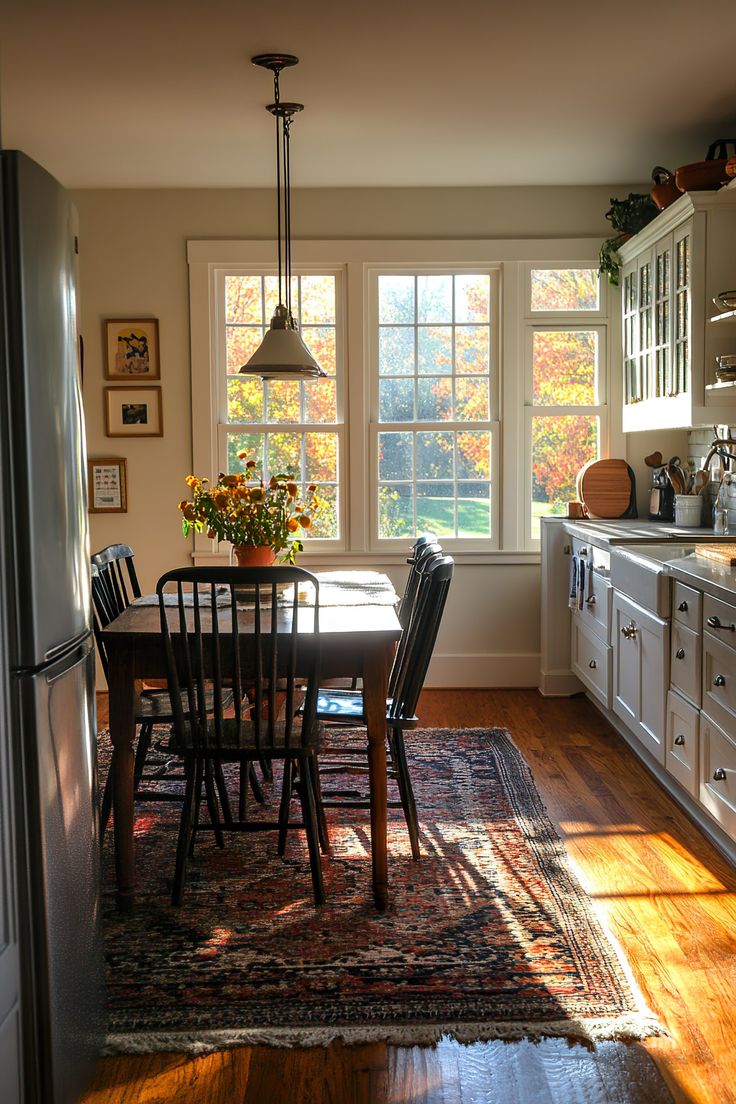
{"points": [[719, 447]]}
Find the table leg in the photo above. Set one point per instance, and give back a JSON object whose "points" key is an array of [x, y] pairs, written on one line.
{"points": [[375, 680], [122, 736]]}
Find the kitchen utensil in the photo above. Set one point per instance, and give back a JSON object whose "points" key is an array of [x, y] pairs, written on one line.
{"points": [[721, 553], [725, 300], [709, 174], [654, 460], [700, 480], [606, 488], [665, 190], [676, 476]]}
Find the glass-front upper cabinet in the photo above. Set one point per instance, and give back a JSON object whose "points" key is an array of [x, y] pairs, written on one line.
{"points": [[670, 273]]}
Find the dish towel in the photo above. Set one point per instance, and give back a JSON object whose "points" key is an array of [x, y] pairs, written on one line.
{"points": [[582, 565], [573, 598]]}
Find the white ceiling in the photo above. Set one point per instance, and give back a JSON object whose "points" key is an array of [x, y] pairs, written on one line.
{"points": [[120, 93]]}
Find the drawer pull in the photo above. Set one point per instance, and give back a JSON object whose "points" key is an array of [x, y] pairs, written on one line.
{"points": [[719, 680], [583, 552], [629, 631], [679, 740], [566, 550], [593, 665], [716, 623], [680, 653], [590, 601], [719, 775], [682, 607]]}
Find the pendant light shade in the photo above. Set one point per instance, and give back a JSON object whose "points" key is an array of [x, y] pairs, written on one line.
{"points": [[282, 354]]}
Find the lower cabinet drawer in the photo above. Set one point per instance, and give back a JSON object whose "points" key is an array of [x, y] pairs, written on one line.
{"points": [[591, 662], [596, 610], [718, 774], [681, 749], [719, 682], [685, 661]]}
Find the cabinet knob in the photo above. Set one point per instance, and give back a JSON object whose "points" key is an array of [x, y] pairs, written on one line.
{"points": [[719, 680], [590, 601], [716, 623], [593, 665], [629, 631], [719, 775], [679, 740], [583, 552], [680, 653], [682, 607]]}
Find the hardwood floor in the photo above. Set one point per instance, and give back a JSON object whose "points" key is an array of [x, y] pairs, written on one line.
{"points": [[665, 892]]}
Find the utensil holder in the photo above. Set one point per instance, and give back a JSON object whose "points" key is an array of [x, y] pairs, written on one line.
{"points": [[688, 511]]}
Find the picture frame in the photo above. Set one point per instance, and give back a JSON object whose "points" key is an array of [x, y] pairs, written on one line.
{"points": [[132, 350], [107, 478], [133, 412]]}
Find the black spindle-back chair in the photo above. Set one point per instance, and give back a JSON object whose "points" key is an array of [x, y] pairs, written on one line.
{"points": [[345, 708], [272, 647]]}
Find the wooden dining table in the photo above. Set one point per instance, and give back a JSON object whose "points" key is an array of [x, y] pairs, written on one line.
{"points": [[355, 640]]}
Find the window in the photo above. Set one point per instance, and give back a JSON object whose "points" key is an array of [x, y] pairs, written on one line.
{"points": [[467, 385], [566, 394], [436, 334], [288, 426]]}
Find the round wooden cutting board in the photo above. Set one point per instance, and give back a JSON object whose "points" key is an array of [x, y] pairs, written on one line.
{"points": [[605, 488]]}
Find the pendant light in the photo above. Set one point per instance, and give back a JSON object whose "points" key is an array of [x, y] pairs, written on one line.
{"points": [[282, 354]]}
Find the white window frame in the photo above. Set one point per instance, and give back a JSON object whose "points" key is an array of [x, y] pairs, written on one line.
{"points": [[357, 260]]}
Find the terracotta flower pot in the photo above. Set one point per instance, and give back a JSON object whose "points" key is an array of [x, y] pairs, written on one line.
{"points": [[248, 555]]}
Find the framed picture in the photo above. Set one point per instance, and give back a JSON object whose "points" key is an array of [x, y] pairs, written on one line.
{"points": [[133, 412], [108, 484], [132, 349]]}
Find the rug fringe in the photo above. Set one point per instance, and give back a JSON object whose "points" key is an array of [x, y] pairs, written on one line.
{"points": [[621, 1029]]}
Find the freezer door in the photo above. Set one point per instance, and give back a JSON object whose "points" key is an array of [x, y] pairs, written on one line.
{"points": [[42, 426], [62, 905]]}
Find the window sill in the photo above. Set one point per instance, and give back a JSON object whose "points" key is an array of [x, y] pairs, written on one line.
{"points": [[377, 559]]}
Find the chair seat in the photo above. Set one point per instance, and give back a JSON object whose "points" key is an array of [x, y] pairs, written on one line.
{"points": [[237, 743], [155, 705], [346, 706]]}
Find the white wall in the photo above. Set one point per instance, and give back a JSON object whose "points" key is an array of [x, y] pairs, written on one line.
{"points": [[133, 262]]}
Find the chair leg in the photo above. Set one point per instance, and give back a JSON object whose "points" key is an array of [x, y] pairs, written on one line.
{"points": [[324, 839], [266, 768], [309, 814], [255, 785], [185, 825], [286, 791], [106, 805], [141, 751], [214, 812], [406, 792], [198, 775], [227, 814]]}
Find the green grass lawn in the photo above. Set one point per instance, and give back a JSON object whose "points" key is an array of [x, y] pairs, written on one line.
{"points": [[437, 515]]}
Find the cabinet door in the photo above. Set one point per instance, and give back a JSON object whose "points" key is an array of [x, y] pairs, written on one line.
{"points": [[645, 373], [640, 672], [629, 283], [682, 293], [662, 317]]}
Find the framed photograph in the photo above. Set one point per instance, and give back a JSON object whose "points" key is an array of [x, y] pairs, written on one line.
{"points": [[133, 412], [108, 484], [132, 349]]}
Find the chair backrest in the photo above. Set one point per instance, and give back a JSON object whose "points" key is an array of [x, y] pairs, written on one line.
{"points": [[253, 629], [113, 589], [422, 552], [410, 668], [418, 577]]}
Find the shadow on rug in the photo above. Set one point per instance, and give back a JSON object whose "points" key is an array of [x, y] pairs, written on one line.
{"points": [[490, 936]]}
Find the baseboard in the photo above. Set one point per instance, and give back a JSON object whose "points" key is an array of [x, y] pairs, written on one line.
{"points": [[483, 671], [559, 684]]}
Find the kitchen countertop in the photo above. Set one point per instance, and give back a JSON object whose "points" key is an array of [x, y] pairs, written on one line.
{"points": [[607, 533]]}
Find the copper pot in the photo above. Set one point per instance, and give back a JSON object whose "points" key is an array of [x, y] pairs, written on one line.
{"points": [[704, 176], [665, 190]]}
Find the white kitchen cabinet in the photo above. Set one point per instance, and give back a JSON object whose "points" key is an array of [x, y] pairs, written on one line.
{"points": [[670, 272], [718, 774], [640, 643], [591, 661]]}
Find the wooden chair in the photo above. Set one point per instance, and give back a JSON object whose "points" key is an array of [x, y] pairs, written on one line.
{"points": [[114, 586], [275, 648], [341, 708]]}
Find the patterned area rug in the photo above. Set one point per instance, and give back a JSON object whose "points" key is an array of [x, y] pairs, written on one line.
{"points": [[489, 936]]}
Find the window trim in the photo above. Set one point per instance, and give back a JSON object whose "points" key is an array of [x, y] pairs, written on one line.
{"points": [[511, 257]]}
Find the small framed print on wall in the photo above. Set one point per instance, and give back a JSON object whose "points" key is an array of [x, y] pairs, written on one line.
{"points": [[131, 349], [108, 485], [133, 412]]}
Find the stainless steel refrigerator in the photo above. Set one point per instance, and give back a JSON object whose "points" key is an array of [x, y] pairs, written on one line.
{"points": [[50, 942]]}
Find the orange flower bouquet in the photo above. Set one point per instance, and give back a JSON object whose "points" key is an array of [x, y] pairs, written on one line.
{"points": [[242, 509]]}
